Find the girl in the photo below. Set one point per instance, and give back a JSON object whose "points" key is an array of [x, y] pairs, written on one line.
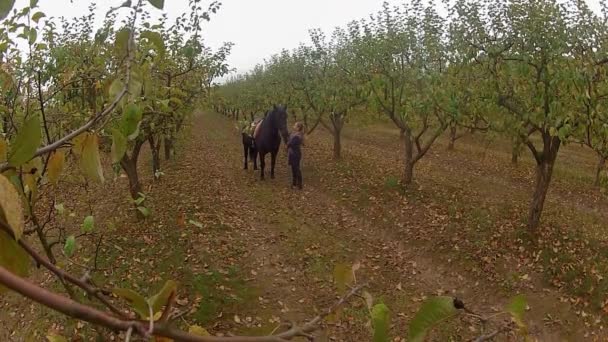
{"points": [[294, 154]]}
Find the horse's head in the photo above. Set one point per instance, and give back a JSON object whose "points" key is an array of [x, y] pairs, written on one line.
{"points": [[280, 116]]}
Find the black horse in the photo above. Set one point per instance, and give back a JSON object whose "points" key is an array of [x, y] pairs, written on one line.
{"points": [[249, 151], [268, 137]]}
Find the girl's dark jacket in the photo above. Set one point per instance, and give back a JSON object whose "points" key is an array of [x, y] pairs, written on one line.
{"points": [[294, 150]]}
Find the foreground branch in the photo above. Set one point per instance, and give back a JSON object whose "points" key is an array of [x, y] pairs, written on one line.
{"points": [[89, 314], [91, 291], [64, 140]]}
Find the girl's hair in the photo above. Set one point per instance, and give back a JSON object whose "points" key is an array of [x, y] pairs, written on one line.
{"points": [[299, 126]]}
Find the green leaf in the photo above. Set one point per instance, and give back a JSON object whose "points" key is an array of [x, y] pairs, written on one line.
{"points": [[381, 322], [517, 308], [162, 297], [140, 200], [122, 41], [369, 300], [135, 82], [131, 119], [196, 224], [160, 4], [13, 257], [88, 225], [3, 150], [156, 39], [32, 36], [11, 211], [434, 311], [60, 208], [137, 301], [119, 146], [26, 143], [70, 246], [55, 166], [189, 51], [135, 134], [343, 276], [144, 211], [552, 131], [37, 16], [90, 161], [33, 3], [5, 8], [116, 88]]}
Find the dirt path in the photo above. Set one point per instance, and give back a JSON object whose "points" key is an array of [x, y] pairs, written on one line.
{"points": [[293, 240]]}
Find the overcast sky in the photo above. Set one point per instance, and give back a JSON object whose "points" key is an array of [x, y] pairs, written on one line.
{"points": [[258, 28]]}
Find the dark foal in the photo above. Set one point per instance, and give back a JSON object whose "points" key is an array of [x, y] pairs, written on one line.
{"points": [[268, 137], [249, 151]]}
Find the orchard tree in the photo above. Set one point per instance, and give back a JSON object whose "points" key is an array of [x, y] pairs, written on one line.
{"points": [[53, 109], [527, 50], [327, 82], [402, 57], [591, 85]]}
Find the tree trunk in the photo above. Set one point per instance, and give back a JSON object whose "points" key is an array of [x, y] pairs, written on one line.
{"points": [[453, 138], [408, 171], [155, 149], [598, 172], [544, 171], [129, 165], [515, 151], [337, 121], [168, 148], [337, 145]]}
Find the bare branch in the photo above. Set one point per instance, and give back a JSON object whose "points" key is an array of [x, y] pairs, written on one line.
{"points": [[94, 316], [61, 274]]}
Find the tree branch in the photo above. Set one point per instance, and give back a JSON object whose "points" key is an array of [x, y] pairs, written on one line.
{"points": [[61, 274], [97, 317]]}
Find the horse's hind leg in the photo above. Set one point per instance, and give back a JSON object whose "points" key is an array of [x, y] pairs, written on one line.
{"points": [[262, 165], [254, 156], [273, 161], [246, 150]]}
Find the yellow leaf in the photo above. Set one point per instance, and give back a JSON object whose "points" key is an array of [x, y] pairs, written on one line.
{"points": [[162, 297], [78, 143], [55, 167], [11, 211], [197, 330], [343, 277], [137, 301], [55, 338], [86, 146]]}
